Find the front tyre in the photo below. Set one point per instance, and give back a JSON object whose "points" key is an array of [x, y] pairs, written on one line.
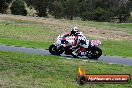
{"points": [[94, 52]]}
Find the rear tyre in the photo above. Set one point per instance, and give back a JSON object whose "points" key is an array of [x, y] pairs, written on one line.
{"points": [[53, 49], [94, 52], [60, 50]]}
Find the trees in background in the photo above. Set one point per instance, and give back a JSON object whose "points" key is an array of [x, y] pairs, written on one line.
{"points": [[124, 12], [40, 6], [56, 9], [102, 10], [87, 9], [4, 4], [18, 8], [98, 10], [71, 9], [64, 8]]}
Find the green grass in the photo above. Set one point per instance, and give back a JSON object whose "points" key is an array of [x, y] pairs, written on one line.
{"points": [[114, 48], [14, 21], [25, 31], [28, 35], [20, 70], [126, 27], [32, 34], [25, 43]]}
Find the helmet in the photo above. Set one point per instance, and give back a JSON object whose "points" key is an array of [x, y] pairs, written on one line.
{"points": [[74, 30]]}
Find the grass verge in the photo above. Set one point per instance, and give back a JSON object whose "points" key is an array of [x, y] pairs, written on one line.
{"points": [[126, 27], [25, 43], [26, 70], [117, 48], [36, 35], [111, 48]]}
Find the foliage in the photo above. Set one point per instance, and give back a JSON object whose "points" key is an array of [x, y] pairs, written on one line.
{"points": [[71, 9], [123, 13], [56, 9], [102, 15], [88, 16], [4, 4], [18, 8], [40, 6], [98, 10]]}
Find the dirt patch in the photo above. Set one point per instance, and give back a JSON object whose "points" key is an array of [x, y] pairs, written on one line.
{"points": [[61, 25], [108, 34]]}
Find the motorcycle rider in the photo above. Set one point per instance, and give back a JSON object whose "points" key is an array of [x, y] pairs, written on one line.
{"points": [[80, 42], [73, 32]]}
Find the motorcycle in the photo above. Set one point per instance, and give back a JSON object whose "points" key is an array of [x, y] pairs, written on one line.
{"points": [[64, 44]]}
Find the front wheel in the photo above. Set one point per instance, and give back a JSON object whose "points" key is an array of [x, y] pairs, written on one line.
{"points": [[94, 52]]}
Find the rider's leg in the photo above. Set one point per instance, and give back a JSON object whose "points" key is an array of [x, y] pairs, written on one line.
{"points": [[76, 50]]}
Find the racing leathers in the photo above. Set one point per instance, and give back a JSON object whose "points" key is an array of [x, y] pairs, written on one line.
{"points": [[80, 42]]}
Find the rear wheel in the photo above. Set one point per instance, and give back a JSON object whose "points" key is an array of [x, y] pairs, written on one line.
{"points": [[53, 49], [60, 50], [94, 52]]}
